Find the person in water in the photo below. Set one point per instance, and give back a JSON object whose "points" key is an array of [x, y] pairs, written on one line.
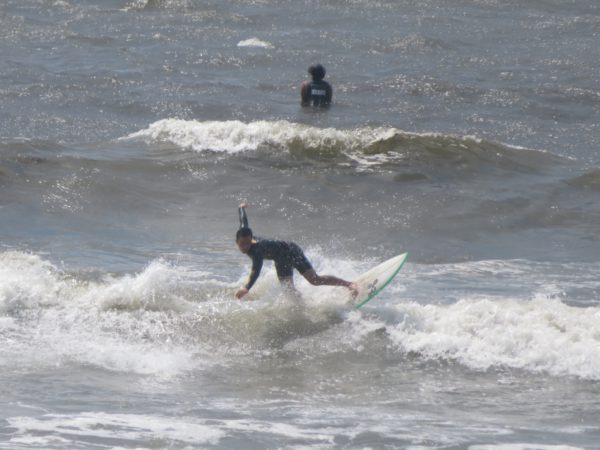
{"points": [[286, 255], [317, 92]]}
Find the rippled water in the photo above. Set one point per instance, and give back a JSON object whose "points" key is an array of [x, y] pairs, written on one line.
{"points": [[462, 132]]}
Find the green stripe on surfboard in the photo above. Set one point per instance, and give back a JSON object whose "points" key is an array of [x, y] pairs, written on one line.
{"points": [[370, 280]]}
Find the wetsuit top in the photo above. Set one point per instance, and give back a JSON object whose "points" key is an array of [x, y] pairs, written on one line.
{"points": [[317, 93], [286, 255]]}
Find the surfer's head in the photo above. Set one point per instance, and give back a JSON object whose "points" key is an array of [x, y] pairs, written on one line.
{"points": [[243, 239], [317, 71]]}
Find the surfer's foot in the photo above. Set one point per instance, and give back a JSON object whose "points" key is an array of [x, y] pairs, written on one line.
{"points": [[353, 288]]}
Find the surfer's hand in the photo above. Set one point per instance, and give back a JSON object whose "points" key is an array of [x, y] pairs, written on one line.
{"points": [[241, 292], [243, 205]]}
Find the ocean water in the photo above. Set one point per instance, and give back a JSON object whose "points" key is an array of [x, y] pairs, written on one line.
{"points": [[464, 132]]}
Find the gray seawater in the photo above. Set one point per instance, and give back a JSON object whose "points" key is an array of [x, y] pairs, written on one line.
{"points": [[463, 132]]}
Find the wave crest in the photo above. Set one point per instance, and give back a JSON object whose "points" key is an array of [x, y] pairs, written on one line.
{"points": [[366, 146]]}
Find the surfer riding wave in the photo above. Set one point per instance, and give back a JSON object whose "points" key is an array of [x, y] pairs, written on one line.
{"points": [[287, 256]]}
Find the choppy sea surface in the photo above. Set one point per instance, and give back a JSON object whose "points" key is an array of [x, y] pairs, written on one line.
{"points": [[464, 132]]}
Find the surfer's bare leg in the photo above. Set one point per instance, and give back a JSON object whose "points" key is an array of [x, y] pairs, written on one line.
{"points": [[327, 280]]}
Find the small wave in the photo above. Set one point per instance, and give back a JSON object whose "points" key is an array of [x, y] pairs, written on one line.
{"points": [[255, 42], [589, 180], [25, 149], [366, 146], [235, 136], [541, 335]]}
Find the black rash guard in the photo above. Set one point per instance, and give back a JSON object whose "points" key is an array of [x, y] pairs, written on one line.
{"points": [[285, 255], [318, 93]]}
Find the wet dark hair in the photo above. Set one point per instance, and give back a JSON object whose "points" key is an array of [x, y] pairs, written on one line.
{"points": [[317, 71], [243, 232]]}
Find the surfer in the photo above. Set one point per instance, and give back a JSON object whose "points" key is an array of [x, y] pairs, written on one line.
{"points": [[286, 255], [317, 92]]}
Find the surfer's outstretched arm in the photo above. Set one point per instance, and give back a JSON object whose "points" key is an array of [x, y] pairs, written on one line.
{"points": [[257, 263], [245, 242], [243, 216]]}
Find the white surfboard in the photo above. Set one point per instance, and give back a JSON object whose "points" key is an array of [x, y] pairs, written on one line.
{"points": [[373, 281]]}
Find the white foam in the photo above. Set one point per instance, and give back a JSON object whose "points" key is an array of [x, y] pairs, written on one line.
{"points": [[154, 289], [255, 42], [131, 427], [235, 136], [541, 335], [147, 323], [27, 281], [227, 137], [529, 446], [149, 429], [124, 354], [124, 324]]}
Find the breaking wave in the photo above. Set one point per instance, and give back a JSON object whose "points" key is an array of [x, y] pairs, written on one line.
{"points": [[168, 319]]}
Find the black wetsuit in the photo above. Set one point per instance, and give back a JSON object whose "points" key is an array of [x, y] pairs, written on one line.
{"points": [[318, 93], [285, 255]]}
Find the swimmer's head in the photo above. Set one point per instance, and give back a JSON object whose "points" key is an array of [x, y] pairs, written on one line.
{"points": [[317, 71]]}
